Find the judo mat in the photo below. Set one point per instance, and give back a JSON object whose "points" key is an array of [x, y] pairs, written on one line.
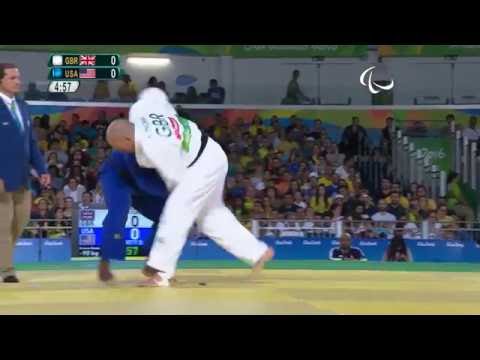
{"points": [[228, 287]]}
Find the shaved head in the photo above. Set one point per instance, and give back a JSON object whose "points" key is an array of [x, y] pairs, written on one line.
{"points": [[121, 136]]}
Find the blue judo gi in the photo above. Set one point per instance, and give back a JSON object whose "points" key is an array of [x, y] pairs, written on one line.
{"points": [[125, 184]]}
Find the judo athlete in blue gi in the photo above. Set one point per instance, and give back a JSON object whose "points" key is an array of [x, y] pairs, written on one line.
{"points": [[125, 184]]}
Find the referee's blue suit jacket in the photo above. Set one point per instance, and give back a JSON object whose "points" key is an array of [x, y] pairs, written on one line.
{"points": [[125, 184], [19, 150]]}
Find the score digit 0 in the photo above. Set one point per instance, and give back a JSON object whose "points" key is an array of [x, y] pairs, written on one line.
{"points": [[113, 73], [113, 60]]}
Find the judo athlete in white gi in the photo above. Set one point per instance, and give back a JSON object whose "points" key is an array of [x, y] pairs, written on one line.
{"points": [[193, 167]]}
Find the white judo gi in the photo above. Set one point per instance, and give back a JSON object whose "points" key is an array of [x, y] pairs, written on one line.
{"points": [[169, 144]]}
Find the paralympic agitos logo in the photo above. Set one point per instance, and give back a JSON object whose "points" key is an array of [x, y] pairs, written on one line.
{"points": [[373, 87]]}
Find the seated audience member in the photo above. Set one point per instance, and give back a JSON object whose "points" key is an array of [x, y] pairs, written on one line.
{"points": [[98, 197], [456, 201], [395, 207], [472, 133], [299, 201], [56, 178], [33, 93], [289, 204], [343, 171], [422, 192], [397, 249], [101, 92], [191, 96], [74, 190], [345, 251], [127, 91], [216, 93], [60, 223]]}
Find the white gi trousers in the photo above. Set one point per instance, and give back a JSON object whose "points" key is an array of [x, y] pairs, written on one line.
{"points": [[199, 198]]}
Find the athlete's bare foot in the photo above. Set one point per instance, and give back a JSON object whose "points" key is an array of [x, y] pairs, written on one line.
{"points": [[154, 278], [267, 256], [104, 273]]}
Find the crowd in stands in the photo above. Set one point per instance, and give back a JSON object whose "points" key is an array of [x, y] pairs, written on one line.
{"points": [[295, 178], [128, 92]]}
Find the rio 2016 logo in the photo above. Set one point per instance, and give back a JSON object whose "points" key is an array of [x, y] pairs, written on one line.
{"points": [[433, 154], [373, 87]]}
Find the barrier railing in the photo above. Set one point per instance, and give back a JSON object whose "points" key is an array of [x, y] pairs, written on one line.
{"points": [[48, 228], [414, 165], [425, 229]]}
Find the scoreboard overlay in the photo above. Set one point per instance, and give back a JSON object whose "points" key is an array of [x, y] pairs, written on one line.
{"points": [[89, 231], [65, 71]]}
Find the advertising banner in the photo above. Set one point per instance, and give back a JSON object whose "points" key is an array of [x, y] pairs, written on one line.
{"points": [[428, 50]]}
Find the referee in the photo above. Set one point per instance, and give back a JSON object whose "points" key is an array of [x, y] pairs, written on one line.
{"points": [[18, 154]]}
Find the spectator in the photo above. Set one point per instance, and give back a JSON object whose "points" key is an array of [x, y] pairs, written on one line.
{"points": [[127, 92], [382, 215], [33, 93], [101, 121], [368, 204], [257, 212], [59, 221], [74, 190], [289, 205], [358, 213], [101, 92], [388, 134], [57, 180], [85, 131], [450, 126], [336, 210], [41, 216], [60, 157], [395, 208], [299, 202], [397, 249], [403, 199], [343, 171], [68, 210], [295, 95], [422, 193], [272, 195], [456, 200], [286, 144], [191, 96], [216, 93], [296, 129], [316, 131], [59, 200], [472, 133], [98, 197], [414, 214], [75, 123], [345, 251], [86, 200], [354, 139], [256, 128], [152, 82], [333, 157], [52, 160]]}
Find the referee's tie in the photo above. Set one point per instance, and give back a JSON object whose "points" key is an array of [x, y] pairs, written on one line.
{"points": [[13, 109]]}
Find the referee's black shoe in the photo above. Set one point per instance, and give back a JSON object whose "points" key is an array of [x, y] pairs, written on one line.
{"points": [[10, 279]]}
